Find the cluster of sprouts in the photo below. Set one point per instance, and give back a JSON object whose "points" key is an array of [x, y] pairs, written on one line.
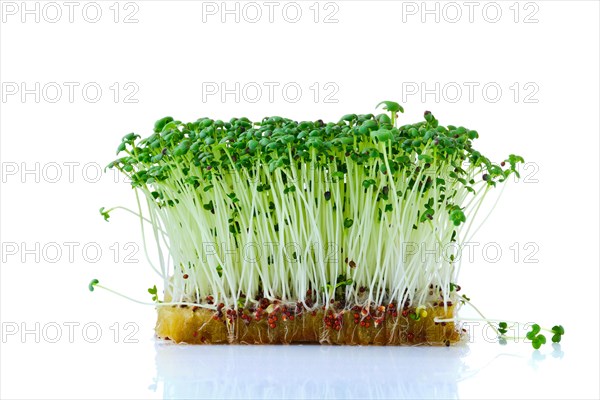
{"points": [[309, 212], [280, 208]]}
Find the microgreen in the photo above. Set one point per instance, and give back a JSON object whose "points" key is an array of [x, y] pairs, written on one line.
{"points": [[104, 214], [537, 339], [558, 332], [154, 292], [92, 284], [341, 282], [364, 183], [502, 328]]}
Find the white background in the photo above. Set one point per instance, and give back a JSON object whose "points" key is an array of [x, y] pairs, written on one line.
{"points": [[375, 51]]}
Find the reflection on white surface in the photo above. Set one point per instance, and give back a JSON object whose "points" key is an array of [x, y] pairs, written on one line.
{"points": [[150, 369], [309, 371]]}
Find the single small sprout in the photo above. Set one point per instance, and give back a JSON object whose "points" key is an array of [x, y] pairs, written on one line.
{"points": [[537, 339], [93, 283], [104, 214], [558, 331], [502, 328], [154, 292], [391, 106]]}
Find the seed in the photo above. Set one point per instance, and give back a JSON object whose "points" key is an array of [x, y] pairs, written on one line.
{"points": [[185, 276], [263, 303]]}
